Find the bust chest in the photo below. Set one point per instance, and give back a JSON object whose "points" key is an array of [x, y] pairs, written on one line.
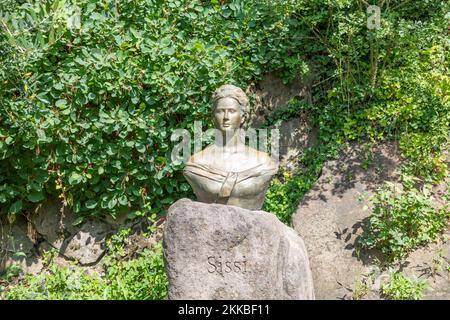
{"points": [[234, 162], [239, 179], [246, 188], [248, 193]]}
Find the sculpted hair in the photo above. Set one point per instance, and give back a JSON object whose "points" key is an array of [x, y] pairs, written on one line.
{"points": [[231, 91]]}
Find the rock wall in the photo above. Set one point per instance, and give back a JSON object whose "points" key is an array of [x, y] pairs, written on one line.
{"points": [[297, 133], [51, 227], [215, 251], [334, 213]]}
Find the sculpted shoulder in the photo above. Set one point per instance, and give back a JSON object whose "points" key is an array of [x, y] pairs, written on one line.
{"points": [[247, 159], [201, 157], [259, 157]]}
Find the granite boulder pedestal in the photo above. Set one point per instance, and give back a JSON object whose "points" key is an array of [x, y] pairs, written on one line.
{"points": [[215, 251]]}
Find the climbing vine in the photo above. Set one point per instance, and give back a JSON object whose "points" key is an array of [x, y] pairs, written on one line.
{"points": [[92, 90]]}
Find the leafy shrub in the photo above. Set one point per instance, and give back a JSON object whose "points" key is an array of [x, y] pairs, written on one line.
{"points": [[403, 220], [88, 110], [400, 287], [142, 278], [376, 84], [386, 83], [7, 276], [426, 155], [285, 193]]}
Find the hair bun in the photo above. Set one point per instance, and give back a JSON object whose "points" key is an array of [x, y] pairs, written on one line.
{"points": [[231, 91]]}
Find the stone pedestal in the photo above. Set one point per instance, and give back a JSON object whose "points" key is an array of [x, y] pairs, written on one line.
{"points": [[215, 251]]}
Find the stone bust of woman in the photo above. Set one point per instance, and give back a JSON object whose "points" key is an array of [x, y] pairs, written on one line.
{"points": [[228, 171]]}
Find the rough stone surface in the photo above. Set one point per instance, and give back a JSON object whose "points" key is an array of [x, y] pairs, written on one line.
{"points": [[28, 264], [215, 251], [23, 243], [17, 246], [53, 222], [139, 241], [295, 136], [86, 243], [87, 246], [15, 237], [332, 216], [272, 94]]}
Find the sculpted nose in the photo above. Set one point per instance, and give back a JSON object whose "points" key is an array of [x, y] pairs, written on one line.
{"points": [[225, 115]]}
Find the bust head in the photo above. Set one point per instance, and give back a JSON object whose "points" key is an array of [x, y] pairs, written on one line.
{"points": [[228, 171], [230, 108]]}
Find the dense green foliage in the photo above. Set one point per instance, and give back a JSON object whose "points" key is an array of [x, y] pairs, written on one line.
{"points": [[286, 192], [390, 83], [402, 220], [400, 287], [141, 278], [86, 111]]}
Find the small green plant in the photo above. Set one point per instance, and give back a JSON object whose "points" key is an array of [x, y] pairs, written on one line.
{"points": [[425, 155], [400, 287], [367, 155], [7, 276], [402, 220], [116, 244], [361, 288], [295, 68], [10, 273], [285, 194], [142, 278], [438, 265]]}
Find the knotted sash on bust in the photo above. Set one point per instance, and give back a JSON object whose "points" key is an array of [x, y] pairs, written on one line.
{"points": [[228, 179]]}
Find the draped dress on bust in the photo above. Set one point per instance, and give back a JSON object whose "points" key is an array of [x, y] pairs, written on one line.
{"points": [[245, 188]]}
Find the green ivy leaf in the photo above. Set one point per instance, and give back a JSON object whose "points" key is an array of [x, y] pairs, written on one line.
{"points": [[123, 200], [75, 178], [78, 221], [61, 103], [36, 196], [16, 207], [91, 204], [112, 203], [140, 147]]}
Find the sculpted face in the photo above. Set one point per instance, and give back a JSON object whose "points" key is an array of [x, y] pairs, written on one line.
{"points": [[228, 171], [227, 115]]}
